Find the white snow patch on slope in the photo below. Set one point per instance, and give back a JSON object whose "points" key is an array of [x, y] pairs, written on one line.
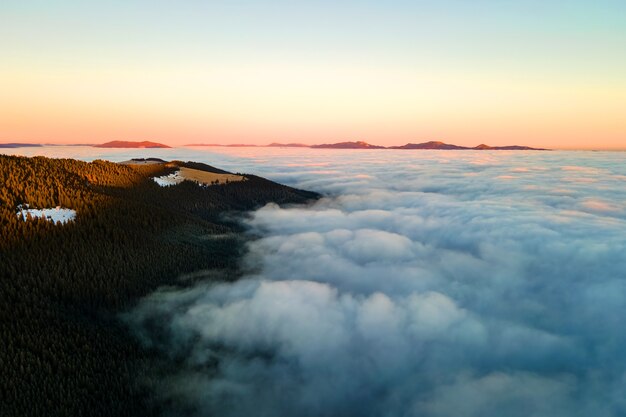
{"points": [[54, 215], [167, 180]]}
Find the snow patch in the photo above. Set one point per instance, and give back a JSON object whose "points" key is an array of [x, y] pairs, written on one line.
{"points": [[57, 214], [202, 178], [167, 180]]}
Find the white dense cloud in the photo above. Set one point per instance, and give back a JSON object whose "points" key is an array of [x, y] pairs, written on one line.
{"points": [[423, 284]]}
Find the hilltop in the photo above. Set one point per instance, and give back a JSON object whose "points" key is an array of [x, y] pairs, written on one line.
{"points": [[347, 145], [231, 145], [64, 283], [429, 145], [130, 144], [19, 145], [483, 147], [288, 145], [446, 146]]}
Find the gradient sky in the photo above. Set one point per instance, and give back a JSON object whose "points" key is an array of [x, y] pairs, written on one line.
{"points": [[539, 73]]}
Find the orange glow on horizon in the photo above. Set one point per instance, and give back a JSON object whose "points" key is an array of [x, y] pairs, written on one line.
{"points": [[308, 105]]}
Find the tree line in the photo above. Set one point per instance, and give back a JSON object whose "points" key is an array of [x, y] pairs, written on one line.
{"points": [[63, 352]]}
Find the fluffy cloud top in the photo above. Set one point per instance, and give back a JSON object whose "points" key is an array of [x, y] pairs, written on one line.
{"points": [[424, 284]]}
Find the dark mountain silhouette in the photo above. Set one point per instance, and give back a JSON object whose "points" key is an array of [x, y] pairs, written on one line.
{"points": [[429, 145], [483, 147], [19, 145], [129, 144], [446, 146], [288, 145], [232, 145], [348, 145]]}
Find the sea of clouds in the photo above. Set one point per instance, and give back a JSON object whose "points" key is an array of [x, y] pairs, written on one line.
{"points": [[436, 283]]}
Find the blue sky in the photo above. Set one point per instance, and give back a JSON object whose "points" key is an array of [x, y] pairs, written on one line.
{"points": [[576, 46]]}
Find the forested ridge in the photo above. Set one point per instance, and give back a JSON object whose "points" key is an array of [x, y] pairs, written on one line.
{"points": [[63, 352]]}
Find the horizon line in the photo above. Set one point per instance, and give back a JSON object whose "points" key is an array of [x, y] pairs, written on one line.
{"points": [[304, 145]]}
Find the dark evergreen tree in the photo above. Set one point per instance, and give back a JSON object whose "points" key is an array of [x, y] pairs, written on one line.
{"points": [[63, 352]]}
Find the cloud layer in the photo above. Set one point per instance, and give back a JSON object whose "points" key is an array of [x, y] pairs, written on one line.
{"points": [[424, 284]]}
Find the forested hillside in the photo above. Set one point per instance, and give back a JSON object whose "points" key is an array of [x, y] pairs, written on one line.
{"points": [[63, 353]]}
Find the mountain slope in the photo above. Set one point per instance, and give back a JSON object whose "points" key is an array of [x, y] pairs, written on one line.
{"points": [[129, 144], [428, 145], [483, 147], [347, 145], [63, 351], [19, 145]]}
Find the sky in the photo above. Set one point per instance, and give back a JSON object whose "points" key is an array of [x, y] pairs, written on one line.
{"points": [[549, 74]]}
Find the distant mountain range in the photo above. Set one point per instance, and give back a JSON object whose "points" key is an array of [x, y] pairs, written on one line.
{"points": [[127, 144], [288, 145], [429, 145], [347, 145], [432, 145], [19, 145], [481, 147], [231, 145]]}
